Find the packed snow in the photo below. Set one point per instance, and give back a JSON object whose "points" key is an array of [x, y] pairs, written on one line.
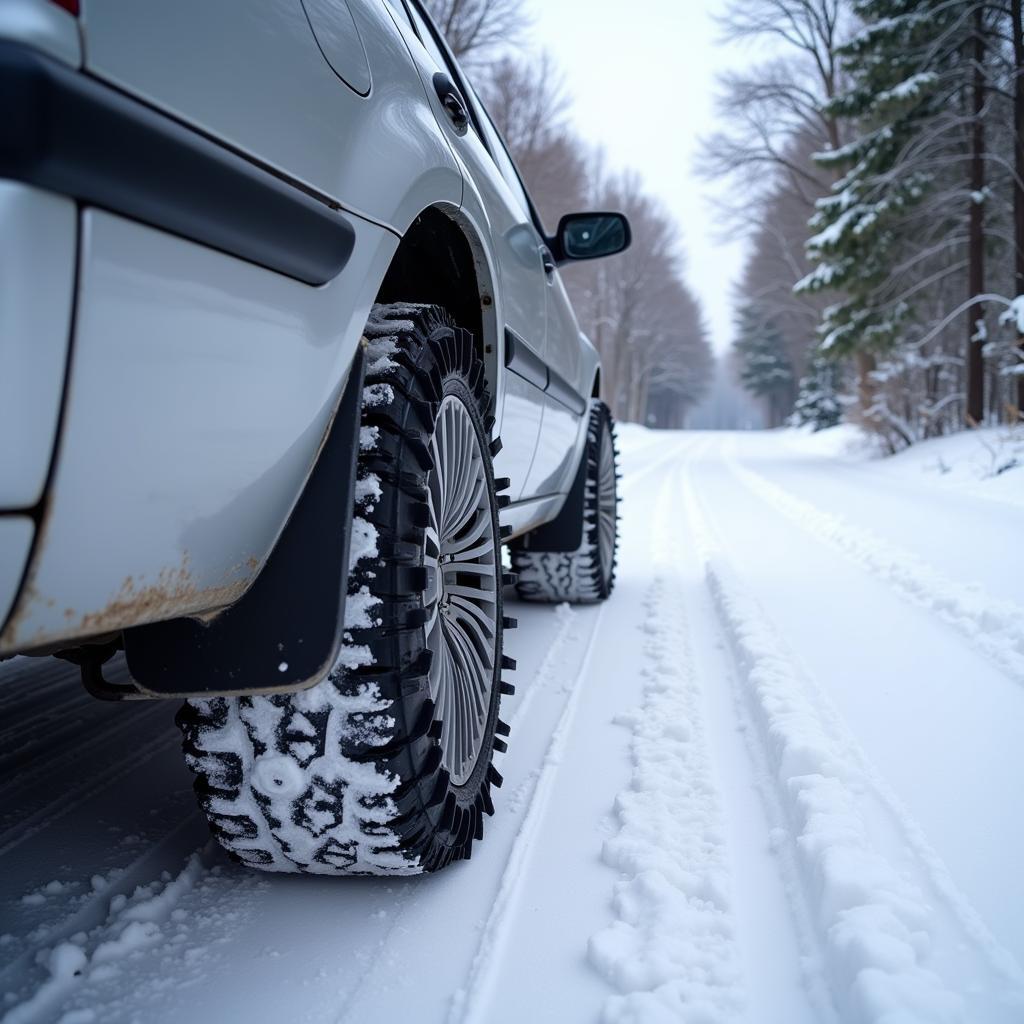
{"points": [[776, 777]]}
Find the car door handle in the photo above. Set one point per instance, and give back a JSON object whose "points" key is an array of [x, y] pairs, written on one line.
{"points": [[548, 260], [452, 101]]}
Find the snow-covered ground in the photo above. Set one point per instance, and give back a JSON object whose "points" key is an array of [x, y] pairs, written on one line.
{"points": [[776, 778]]}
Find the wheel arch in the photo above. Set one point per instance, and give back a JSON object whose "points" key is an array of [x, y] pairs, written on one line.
{"points": [[442, 260]]}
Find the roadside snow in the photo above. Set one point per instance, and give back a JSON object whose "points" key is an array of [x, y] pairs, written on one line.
{"points": [[845, 441], [994, 626], [985, 463], [888, 953]]}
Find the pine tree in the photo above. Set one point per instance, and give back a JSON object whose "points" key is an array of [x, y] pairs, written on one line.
{"points": [[764, 367], [893, 95], [908, 215], [1016, 26], [817, 401]]}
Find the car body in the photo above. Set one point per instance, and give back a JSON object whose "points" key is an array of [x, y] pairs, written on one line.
{"points": [[200, 202]]}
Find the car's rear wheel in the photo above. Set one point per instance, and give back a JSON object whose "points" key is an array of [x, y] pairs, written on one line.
{"points": [[588, 573], [385, 766]]}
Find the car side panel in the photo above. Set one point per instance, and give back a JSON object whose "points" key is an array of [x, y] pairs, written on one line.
{"points": [[15, 541], [250, 74], [553, 461], [554, 465], [199, 391], [520, 300], [565, 353], [521, 403], [38, 231]]}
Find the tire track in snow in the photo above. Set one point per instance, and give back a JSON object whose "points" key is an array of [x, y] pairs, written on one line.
{"points": [[469, 1005], [524, 794], [568, 620], [176, 844], [97, 740], [30, 683], [672, 951], [675, 452], [886, 952], [21, 732], [149, 924], [87, 786], [992, 626]]}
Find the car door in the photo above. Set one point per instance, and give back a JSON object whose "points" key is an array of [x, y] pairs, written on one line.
{"points": [[521, 302]]}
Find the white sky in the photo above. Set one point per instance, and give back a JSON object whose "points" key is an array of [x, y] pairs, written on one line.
{"points": [[642, 77]]}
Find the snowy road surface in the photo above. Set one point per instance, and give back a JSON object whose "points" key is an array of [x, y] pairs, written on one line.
{"points": [[776, 778]]}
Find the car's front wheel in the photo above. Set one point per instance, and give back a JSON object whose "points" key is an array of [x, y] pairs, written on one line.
{"points": [[385, 766]]}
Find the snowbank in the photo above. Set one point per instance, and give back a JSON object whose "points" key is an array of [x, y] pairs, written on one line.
{"points": [[898, 941], [994, 626], [988, 463]]}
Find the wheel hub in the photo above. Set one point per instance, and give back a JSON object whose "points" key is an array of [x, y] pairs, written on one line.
{"points": [[460, 556], [607, 503]]}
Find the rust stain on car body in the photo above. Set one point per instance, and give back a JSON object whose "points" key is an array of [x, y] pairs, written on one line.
{"points": [[172, 594]]}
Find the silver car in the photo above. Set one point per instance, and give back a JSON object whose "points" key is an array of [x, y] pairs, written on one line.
{"points": [[285, 360]]}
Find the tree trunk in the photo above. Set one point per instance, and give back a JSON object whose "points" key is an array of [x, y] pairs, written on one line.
{"points": [[1017, 28], [865, 386], [643, 400], [976, 230]]}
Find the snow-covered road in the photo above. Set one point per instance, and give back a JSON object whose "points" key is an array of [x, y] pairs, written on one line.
{"points": [[776, 778]]}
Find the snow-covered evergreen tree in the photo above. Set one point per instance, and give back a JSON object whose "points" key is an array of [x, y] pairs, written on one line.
{"points": [[914, 235], [764, 367], [817, 401], [860, 229]]}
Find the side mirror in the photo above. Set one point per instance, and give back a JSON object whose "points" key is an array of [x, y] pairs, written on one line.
{"points": [[588, 236]]}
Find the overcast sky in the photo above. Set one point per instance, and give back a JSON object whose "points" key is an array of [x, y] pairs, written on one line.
{"points": [[642, 77]]}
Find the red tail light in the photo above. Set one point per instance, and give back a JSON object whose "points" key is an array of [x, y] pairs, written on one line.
{"points": [[71, 6]]}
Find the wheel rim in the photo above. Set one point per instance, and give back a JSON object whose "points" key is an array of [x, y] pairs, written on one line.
{"points": [[606, 503], [461, 595]]}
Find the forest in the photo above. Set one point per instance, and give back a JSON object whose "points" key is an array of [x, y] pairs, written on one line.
{"points": [[875, 156], [636, 308]]}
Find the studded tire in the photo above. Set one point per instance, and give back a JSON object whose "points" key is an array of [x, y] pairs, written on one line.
{"points": [[347, 777], [587, 574]]}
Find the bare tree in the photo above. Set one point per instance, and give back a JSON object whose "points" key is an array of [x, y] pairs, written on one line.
{"points": [[775, 116], [1016, 27], [529, 104], [656, 361], [765, 108], [475, 29], [975, 217], [645, 323]]}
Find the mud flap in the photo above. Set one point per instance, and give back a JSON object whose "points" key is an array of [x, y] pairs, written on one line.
{"points": [[285, 632], [565, 531]]}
